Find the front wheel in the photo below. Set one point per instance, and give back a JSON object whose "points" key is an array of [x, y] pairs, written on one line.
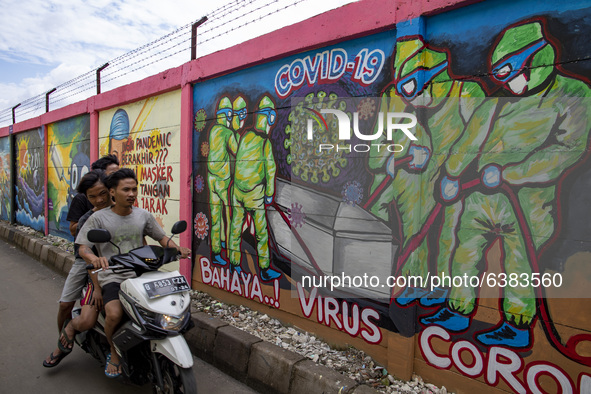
{"points": [[176, 380]]}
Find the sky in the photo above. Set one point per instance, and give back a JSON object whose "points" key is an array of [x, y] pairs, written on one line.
{"points": [[46, 43]]}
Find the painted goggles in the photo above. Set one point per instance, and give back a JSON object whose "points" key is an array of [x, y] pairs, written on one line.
{"points": [[225, 111], [508, 68], [408, 87], [269, 113]]}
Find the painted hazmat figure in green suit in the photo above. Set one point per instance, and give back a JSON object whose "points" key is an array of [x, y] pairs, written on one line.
{"points": [[222, 143], [443, 106], [518, 161], [239, 113], [254, 186]]}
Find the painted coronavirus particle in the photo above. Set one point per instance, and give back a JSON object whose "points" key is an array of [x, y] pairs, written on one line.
{"points": [[201, 225], [199, 184], [200, 117], [296, 215], [366, 108], [352, 193], [307, 161], [205, 149]]}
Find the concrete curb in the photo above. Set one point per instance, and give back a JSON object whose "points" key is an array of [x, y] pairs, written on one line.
{"points": [[263, 366]]}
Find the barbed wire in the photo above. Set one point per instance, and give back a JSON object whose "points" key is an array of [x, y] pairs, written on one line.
{"points": [[222, 21], [176, 40]]}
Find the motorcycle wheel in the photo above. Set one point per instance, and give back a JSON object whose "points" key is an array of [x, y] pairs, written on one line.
{"points": [[176, 380]]}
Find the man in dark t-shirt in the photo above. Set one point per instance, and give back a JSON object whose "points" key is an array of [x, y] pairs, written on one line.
{"points": [[80, 204], [78, 207]]}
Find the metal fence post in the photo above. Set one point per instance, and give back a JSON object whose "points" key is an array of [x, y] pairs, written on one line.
{"points": [[47, 99], [194, 37], [98, 77], [13, 112]]}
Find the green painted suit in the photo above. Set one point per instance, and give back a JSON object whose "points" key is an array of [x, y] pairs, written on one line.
{"points": [[534, 140], [441, 122], [222, 144], [254, 179]]}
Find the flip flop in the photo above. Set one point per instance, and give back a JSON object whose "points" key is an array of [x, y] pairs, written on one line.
{"points": [[62, 348], [112, 375], [59, 358]]}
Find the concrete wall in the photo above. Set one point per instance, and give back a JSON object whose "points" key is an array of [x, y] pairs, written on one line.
{"points": [[488, 185], [68, 159], [145, 135], [30, 178], [499, 91], [5, 169]]}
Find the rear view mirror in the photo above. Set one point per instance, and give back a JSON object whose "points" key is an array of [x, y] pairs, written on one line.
{"points": [[179, 227], [98, 236]]}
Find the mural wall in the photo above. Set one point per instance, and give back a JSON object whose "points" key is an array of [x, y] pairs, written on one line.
{"points": [[5, 170], [145, 136], [480, 174], [420, 190], [30, 179], [68, 160]]}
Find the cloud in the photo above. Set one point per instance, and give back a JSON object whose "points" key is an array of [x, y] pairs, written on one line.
{"points": [[59, 31], [72, 37]]}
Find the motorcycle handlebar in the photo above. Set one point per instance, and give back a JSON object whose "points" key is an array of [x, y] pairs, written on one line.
{"points": [[90, 266]]}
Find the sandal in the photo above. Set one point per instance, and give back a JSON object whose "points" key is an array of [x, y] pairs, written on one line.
{"points": [[108, 374], [52, 364], [65, 349]]}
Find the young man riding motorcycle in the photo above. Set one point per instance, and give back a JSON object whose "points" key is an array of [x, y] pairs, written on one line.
{"points": [[79, 207], [127, 225]]}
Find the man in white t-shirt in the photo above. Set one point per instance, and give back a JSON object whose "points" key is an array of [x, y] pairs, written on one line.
{"points": [[127, 225]]}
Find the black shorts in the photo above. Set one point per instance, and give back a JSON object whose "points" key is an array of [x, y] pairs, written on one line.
{"points": [[110, 292]]}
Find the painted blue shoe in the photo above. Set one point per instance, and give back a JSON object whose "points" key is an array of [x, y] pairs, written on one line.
{"points": [[506, 335], [236, 268], [437, 296], [409, 295], [448, 319], [219, 260], [223, 245], [269, 274]]}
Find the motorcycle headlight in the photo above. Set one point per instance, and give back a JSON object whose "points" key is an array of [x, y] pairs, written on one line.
{"points": [[171, 322]]}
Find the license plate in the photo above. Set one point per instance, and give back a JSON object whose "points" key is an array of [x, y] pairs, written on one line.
{"points": [[162, 287]]}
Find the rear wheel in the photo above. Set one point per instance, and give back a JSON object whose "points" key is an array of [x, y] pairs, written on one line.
{"points": [[176, 380]]}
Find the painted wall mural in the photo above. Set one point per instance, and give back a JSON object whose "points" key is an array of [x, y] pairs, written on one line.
{"points": [[246, 155], [68, 161], [145, 136], [489, 185], [5, 170], [30, 179]]}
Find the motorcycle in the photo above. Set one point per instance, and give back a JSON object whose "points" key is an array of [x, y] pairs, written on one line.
{"points": [[156, 314]]}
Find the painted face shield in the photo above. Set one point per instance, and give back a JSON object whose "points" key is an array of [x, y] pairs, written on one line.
{"points": [[270, 115], [508, 68], [408, 87], [241, 113], [239, 117], [225, 112]]}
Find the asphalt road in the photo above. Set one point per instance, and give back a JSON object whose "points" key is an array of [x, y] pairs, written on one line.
{"points": [[28, 333]]}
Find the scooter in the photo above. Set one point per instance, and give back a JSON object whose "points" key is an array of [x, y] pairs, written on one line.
{"points": [[156, 314]]}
